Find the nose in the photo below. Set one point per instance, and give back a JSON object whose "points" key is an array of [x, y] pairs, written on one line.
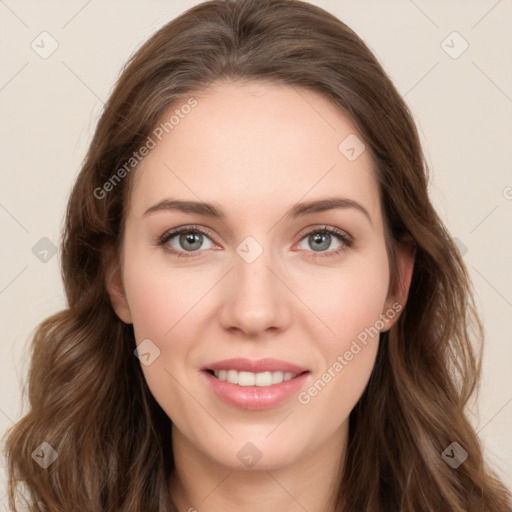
{"points": [[255, 298]]}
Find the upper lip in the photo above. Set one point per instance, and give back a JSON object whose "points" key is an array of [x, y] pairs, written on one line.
{"points": [[255, 365]]}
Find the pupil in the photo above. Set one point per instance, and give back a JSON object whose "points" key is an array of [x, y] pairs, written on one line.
{"points": [[318, 240], [190, 238]]}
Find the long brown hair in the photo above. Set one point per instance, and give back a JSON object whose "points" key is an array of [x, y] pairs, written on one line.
{"points": [[88, 397]]}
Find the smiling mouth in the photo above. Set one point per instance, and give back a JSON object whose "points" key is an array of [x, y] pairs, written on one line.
{"points": [[260, 379]]}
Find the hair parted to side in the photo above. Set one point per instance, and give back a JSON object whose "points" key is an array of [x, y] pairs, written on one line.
{"points": [[87, 393]]}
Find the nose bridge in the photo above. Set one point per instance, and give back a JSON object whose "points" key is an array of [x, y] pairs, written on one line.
{"points": [[256, 298]]}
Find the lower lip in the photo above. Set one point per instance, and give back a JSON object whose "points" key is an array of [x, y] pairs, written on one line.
{"points": [[255, 398]]}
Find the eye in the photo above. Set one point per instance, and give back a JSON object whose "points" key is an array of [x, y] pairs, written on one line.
{"points": [[187, 239], [322, 239]]}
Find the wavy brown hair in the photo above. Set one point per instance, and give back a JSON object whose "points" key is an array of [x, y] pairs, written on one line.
{"points": [[87, 393]]}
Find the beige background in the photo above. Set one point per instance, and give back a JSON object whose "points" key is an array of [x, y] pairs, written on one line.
{"points": [[462, 105]]}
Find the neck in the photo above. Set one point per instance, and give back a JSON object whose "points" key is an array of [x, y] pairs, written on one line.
{"points": [[309, 483]]}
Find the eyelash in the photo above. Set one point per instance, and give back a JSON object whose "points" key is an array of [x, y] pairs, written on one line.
{"points": [[168, 235]]}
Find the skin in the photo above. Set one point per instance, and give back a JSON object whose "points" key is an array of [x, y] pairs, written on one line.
{"points": [[254, 150]]}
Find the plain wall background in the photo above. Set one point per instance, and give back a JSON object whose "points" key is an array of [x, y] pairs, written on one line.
{"points": [[462, 106]]}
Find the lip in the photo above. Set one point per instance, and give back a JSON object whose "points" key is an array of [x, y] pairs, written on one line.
{"points": [[255, 366], [255, 398]]}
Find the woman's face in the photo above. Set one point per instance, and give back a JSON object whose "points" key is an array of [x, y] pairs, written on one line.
{"points": [[260, 280]]}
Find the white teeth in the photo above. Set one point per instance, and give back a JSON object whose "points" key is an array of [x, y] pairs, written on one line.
{"points": [[277, 377], [263, 379], [253, 379], [232, 376], [246, 379]]}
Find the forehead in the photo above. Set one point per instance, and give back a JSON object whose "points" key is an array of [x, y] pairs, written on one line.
{"points": [[252, 146]]}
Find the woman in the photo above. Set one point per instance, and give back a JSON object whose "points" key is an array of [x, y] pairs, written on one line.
{"points": [[312, 348]]}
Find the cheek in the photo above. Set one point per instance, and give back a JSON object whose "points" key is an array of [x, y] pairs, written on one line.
{"points": [[166, 306], [348, 341], [151, 306], [349, 300], [159, 298], [159, 302], [345, 364]]}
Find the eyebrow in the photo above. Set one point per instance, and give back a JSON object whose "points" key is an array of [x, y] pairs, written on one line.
{"points": [[297, 210]]}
